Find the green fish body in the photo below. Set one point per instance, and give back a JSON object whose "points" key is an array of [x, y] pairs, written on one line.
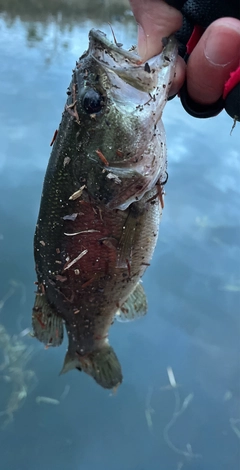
{"points": [[100, 211]]}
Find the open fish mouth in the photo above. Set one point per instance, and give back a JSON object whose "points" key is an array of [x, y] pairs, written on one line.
{"points": [[128, 64]]}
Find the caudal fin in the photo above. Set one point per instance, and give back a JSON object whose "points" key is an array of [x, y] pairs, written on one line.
{"points": [[102, 364]]}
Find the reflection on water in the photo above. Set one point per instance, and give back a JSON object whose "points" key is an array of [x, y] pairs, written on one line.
{"points": [[69, 11], [49, 24], [192, 285]]}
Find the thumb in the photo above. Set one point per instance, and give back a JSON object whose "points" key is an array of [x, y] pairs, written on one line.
{"points": [[156, 20]]}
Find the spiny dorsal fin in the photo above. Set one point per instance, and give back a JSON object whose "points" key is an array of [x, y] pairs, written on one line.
{"points": [[134, 307]]}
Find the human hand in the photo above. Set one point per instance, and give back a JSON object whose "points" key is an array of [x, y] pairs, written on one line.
{"points": [[216, 55]]}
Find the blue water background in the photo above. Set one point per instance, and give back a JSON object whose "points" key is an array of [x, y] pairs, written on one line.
{"points": [[193, 284]]}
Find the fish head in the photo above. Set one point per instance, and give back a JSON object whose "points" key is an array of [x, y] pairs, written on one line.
{"points": [[118, 102]]}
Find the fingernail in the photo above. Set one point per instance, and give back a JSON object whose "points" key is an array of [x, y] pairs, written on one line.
{"points": [[216, 52], [142, 42]]}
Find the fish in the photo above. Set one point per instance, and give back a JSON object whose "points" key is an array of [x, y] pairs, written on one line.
{"points": [[101, 203]]}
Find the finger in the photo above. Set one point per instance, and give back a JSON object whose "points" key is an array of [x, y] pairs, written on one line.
{"points": [[215, 56], [179, 77], [156, 20]]}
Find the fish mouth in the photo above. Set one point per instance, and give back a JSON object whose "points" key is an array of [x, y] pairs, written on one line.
{"points": [[128, 65], [99, 41]]}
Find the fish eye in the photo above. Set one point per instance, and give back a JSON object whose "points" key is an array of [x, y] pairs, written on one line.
{"points": [[92, 101]]}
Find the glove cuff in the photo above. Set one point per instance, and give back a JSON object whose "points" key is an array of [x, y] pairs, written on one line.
{"points": [[178, 4], [199, 110]]}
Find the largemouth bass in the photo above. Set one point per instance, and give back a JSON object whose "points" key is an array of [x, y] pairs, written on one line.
{"points": [[100, 209]]}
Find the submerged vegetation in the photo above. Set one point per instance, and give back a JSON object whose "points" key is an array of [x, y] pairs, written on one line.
{"points": [[16, 381]]}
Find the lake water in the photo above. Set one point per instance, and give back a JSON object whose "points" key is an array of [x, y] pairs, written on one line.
{"points": [[193, 284]]}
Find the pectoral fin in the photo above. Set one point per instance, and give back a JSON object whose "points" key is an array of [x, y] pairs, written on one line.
{"points": [[134, 307], [47, 325], [126, 241]]}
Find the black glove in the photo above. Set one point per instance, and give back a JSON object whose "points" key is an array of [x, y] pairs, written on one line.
{"points": [[197, 16]]}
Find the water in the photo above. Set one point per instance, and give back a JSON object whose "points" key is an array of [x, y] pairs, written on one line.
{"points": [[193, 284]]}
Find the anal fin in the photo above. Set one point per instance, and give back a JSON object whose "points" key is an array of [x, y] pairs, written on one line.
{"points": [[134, 307], [47, 325]]}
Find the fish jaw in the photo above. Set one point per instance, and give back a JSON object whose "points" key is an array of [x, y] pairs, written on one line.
{"points": [[132, 80]]}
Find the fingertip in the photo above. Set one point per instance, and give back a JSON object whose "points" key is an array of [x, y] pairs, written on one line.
{"points": [[179, 77], [156, 20], [216, 55], [142, 43]]}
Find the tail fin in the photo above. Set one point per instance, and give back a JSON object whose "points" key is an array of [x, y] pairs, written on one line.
{"points": [[70, 363], [102, 364]]}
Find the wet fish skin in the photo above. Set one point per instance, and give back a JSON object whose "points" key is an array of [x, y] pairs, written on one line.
{"points": [[106, 127]]}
